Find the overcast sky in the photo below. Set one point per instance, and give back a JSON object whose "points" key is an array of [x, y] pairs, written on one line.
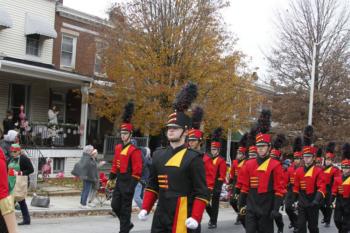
{"points": [[252, 21]]}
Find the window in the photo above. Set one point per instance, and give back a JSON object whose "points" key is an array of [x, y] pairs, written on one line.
{"points": [[68, 49], [58, 165], [33, 45], [98, 60]]}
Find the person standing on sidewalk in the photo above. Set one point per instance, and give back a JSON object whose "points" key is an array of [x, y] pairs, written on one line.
{"points": [[141, 185], [8, 123], [220, 176], [177, 177], [330, 173], [127, 169], [19, 164], [309, 187], [86, 169], [7, 208]]}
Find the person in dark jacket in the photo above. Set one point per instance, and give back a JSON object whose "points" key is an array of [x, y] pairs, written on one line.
{"points": [[19, 164], [86, 169], [8, 123], [5, 144]]}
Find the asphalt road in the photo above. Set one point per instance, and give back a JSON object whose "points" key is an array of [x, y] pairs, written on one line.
{"points": [[109, 224]]}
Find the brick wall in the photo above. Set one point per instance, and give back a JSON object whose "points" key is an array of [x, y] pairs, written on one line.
{"points": [[85, 49]]}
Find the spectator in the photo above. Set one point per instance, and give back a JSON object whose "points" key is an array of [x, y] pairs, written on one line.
{"points": [[94, 189], [86, 170], [8, 122], [7, 209], [5, 144], [146, 162], [19, 164], [52, 115]]}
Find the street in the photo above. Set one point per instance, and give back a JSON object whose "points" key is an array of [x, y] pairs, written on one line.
{"points": [[108, 224]]}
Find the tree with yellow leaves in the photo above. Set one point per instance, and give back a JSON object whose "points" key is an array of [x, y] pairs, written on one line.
{"points": [[155, 46]]}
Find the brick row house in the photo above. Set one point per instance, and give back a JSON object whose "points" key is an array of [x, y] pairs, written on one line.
{"points": [[48, 58]]}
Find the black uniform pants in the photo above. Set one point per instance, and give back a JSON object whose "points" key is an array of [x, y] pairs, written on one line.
{"points": [[342, 220], [326, 208], [213, 208], [121, 205], [258, 223], [309, 216], [279, 222], [3, 227], [290, 210]]}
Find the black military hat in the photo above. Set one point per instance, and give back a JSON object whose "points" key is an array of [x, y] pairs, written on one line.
{"points": [[182, 102]]}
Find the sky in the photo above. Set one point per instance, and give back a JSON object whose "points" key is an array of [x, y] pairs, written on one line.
{"points": [[251, 21]]}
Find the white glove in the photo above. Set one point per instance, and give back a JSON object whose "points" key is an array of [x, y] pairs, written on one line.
{"points": [[191, 223], [143, 215]]}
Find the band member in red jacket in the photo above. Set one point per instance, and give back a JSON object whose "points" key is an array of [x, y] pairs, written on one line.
{"points": [[177, 176], [127, 169], [235, 168], [195, 138], [276, 154], [262, 185], [330, 172], [341, 191], [220, 176], [289, 199], [309, 187]]}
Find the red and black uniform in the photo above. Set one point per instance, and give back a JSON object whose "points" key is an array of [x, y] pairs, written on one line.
{"points": [[289, 199], [127, 168], [262, 191], [6, 202], [310, 189], [177, 180], [209, 172], [330, 173], [220, 175], [341, 191]]}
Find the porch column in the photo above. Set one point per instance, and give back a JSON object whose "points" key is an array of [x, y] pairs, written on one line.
{"points": [[84, 114]]}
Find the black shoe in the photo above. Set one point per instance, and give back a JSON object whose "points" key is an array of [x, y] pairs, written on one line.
{"points": [[23, 223], [327, 224], [131, 226], [211, 226], [237, 223]]}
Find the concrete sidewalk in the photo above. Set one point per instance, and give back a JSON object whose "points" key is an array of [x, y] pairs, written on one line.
{"points": [[63, 206]]}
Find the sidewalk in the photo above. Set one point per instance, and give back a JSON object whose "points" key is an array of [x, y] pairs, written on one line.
{"points": [[65, 206], [69, 206]]}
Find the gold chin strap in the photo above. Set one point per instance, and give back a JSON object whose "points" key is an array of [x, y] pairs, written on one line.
{"points": [[7, 205]]}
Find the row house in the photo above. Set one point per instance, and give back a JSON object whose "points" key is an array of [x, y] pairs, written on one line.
{"points": [[48, 58]]}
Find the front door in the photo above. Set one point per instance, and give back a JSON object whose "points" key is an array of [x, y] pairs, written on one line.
{"points": [[19, 95]]}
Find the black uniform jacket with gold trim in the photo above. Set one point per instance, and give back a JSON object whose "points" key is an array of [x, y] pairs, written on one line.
{"points": [[178, 177]]}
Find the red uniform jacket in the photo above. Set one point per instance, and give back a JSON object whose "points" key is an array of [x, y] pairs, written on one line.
{"points": [[239, 176], [127, 160], [330, 173], [209, 171], [255, 176], [291, 174], [341, 187], [234, 170], [219, 168], [4, 186], [309, 181], [341, 190]]}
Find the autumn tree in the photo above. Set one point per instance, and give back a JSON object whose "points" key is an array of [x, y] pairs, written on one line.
{"points": [[155, 46], [305, 23]]}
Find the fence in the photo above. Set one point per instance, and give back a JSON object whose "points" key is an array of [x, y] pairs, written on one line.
{"points": [[111, 141], [34, 154], [45, 135]]}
